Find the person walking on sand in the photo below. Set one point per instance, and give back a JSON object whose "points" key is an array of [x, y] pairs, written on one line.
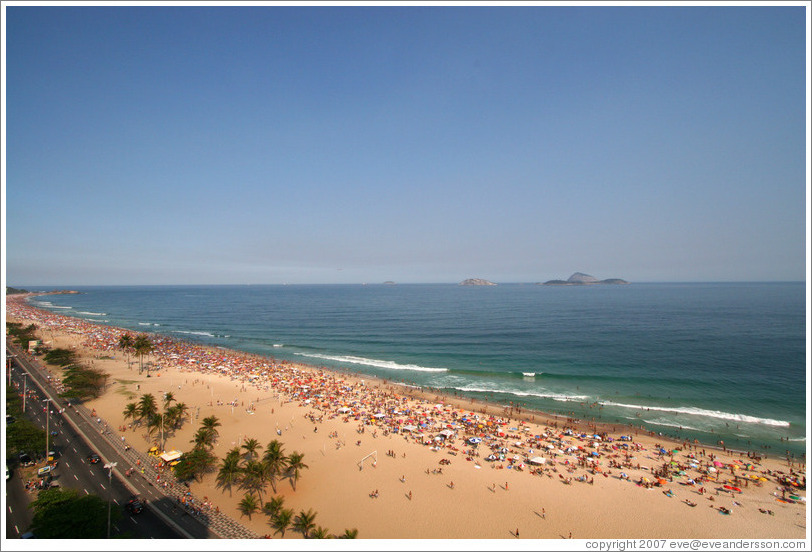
{"points": [[517, 532]]}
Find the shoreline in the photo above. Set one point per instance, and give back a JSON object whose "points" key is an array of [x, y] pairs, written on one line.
{"points": [[572, 417], [294, 411]]}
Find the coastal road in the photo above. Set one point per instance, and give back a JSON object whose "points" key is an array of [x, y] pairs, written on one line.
{"points": [[75, 472], [79, 430]]}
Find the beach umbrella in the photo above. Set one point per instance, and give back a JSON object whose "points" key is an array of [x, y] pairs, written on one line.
{"points": [[717, 463], [474, 440]]}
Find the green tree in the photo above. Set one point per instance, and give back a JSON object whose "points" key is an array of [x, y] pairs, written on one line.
{"points": [[60, 357], [273, 506], [349, 534], [230, 472], [275, 460], [143, 346], [304, 522], [248, 505], [131, 411], [251, 446], [294, 468], [320, 533], [64, 514], [254, 477], [282, 521], [126, 343], [83, 383], [211, 423], [194, 464], [147, 408], [203, 438]]}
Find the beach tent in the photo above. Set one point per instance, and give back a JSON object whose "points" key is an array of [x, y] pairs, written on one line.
{"points": [[447, 434], [344, 410], [537, 460]]}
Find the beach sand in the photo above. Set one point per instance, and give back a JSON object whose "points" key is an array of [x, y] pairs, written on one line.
{"points": [[485, 502]]}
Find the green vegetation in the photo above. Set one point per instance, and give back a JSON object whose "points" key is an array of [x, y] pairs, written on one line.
{"points": [[200, 459], [83, 383], [244, 468], [22, 435], [145, 411], [60, 357], [15, 291], [22, 335], [65, 514]]}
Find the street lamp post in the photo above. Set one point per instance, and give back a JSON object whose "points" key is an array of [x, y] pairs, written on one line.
{"points": [[25, 388], [109, 467], [47, 427]]}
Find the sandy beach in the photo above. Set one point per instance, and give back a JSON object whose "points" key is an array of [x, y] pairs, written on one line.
{"points": [[430, 486]]}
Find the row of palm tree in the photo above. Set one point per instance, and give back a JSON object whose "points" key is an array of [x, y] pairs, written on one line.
{"points": [[282, 519], [146, 411], [140, 345], [243, 466]]}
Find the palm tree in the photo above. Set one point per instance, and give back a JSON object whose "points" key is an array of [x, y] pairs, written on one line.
{"points": [[168, 398], [234, 454], [295, 465], [251, 446], [125, 342], [255, 477], [142, 346], [273, 506], [203, 438], [147, 408], [304, 522], [181, 412], [275, 460], [282, 520], [130, 411], [349, 534], [248, 505], [321, 533], [211, 423], [229, 474]]}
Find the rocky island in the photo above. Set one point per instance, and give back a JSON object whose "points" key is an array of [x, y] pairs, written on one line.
{"points": [[581, 279], [476, 282]]}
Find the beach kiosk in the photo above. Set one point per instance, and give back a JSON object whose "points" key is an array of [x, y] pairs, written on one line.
{"points": [[172, 457]]}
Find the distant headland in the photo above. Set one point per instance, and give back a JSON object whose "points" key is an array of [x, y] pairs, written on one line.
{"points": [[476, 282], [581, 279], [16, 291]]}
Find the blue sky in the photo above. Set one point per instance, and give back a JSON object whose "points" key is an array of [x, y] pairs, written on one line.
{"points": [[173, 145]]}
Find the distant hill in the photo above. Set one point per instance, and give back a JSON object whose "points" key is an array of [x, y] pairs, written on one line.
{"points": [[581, 279], [476, 282]]}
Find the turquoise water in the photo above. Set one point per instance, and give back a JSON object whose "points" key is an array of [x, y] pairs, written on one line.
{"points": [[704, 361]]}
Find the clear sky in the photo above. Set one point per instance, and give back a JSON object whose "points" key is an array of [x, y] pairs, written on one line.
{"points": [[209, 145]]}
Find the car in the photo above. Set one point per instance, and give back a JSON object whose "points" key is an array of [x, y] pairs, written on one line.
{"points": [[134, 505], [94, 458]]}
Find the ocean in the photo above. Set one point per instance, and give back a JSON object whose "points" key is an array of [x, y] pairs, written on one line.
{"points": [[715, 361]]}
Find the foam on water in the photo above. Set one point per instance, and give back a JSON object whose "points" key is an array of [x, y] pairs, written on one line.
{"points": [[693, 411], [388, 364]]}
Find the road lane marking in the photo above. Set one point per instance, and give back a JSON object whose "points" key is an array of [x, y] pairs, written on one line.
{"points": [[15, 528], [85, 491], [132, 518], [116, 501], [76, 478], [102, 486]]}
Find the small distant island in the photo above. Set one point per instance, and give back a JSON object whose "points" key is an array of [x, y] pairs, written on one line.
{"points": [[581, 279], [476, 282], [389, 283]]}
